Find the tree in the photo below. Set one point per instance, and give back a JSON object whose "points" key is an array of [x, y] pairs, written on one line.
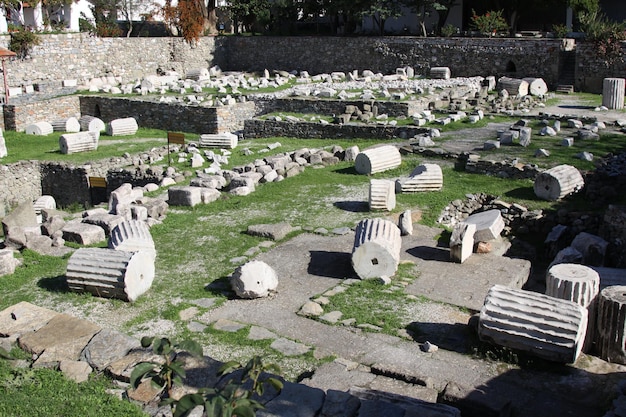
{"points": [[245, 12], [380, 11], [191, 18], [132, 9]]}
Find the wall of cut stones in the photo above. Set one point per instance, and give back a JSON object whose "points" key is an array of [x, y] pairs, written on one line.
{"points": [[78, 56], [591, 70], [68, 183], [328, 107], [17, 117], [169, 116], [19, 182]]}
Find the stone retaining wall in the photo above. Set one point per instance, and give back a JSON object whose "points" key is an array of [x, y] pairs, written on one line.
{"points": [[329, 107], [257, 128], [590, 70], [169, 116], [17, 117], [78, 56], [19, 182]]}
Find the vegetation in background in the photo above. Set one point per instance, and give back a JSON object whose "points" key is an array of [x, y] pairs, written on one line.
{"points": [[22, 42], [490, 23]]}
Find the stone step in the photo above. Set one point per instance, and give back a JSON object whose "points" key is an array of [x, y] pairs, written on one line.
{"points": [[565, 88]]}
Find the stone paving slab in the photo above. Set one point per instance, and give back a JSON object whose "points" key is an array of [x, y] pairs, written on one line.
{"points": [[23, 318]]}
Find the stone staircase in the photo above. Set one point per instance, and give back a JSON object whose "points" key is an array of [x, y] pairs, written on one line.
{"points": [[567, 72]]}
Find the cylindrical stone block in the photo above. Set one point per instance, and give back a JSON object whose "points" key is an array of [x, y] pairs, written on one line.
{"points": [[110, 273], [613, 93], [426, 177], [558, 182], [376, 251], [382, 195], [70, 125], [440, 73], [39, 129], [79, 142], [122, 127], [91, 124], [513, 86], [377, 159], [545, 326], [218, 140], [132, 236], [573, 282], [44, 202], [577, 283], [611, 324]]}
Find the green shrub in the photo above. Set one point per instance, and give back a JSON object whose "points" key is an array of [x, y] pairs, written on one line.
{"points": [[22, 42], [448, 30]]}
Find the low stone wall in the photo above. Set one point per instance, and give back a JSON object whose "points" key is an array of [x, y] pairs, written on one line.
{"points": [[17, 117], [329, 107], [169, 116], [19, 182], [257, 128], [592, 69]]}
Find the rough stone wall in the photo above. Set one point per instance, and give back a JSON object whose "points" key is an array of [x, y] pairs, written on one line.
{"points": [[256, 128], [78, 56], [464, 56], [591, 70], [66, 183], [19, 182], [17, 117], [169, 116], [329, 107]]}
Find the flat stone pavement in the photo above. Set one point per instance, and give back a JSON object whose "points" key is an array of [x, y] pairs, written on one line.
{"points": [[310, 265]]}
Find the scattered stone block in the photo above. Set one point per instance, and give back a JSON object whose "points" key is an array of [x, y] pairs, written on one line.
{"points": [[254, 279], [382, 195], [106, 221], [593, 248], [462, 242], [405, 223], [489, 225], [545, 326], [440, 73], [218, 140], [8, 262], [16, 223], [275, 231], [184, 196], [83, 233], [558, 182], [376, 249], [110, 273], [3, 146]]}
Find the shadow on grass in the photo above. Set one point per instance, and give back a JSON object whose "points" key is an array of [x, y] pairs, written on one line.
{"points": [[346, 171], [352, 206], [54, 284], [526, 193], [220, 287]]}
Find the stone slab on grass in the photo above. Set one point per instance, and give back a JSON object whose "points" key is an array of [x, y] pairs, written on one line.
{"points": [[463, 285], [23, 318], [276, 231], [83, 233]]}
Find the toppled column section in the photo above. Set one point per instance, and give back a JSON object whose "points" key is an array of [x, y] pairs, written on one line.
{"points": [[79, 142], [122, 127], [132, 236], [545, 326], [440, 73], [377, 159], [558, 182], [577, 283], [70, 124], [39, 129], [110, 273], [91, 124], [610, 338], [376, 251], [382, 195], [426, 177], [489, 225]]}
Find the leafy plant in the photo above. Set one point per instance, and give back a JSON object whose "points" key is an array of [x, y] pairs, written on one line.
{"points": [[489, 23], [448, 30], [560, 31], [23, 41], [606, 35], [170, 372], [233, 399]]}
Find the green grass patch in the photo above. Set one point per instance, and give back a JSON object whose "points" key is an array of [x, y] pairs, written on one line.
{"points": [[46, 392]]}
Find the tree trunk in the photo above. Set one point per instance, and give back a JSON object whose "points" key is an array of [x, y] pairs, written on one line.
{"points": [[211, 19]]}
